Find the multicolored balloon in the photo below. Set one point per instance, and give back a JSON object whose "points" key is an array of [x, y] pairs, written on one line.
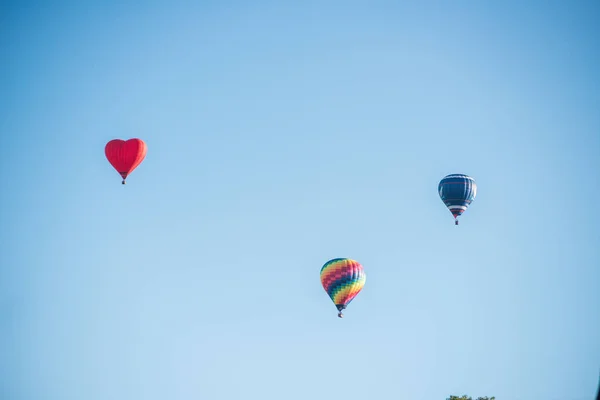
{"points": [[342, 279], [125, 156], [457, 191]]}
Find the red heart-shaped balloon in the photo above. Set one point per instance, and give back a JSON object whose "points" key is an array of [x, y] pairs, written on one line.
{"points": [[125, 155]]}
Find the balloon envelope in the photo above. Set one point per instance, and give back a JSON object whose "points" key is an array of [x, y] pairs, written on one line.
{"points": [[125, 155], [457, 191], [342, 279]]}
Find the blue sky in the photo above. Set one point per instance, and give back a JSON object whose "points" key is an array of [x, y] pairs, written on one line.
{"points": [[281, 135]]}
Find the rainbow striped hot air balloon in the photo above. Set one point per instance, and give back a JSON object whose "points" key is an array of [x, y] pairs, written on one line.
{"points": [[457, 191], [342, 279]]}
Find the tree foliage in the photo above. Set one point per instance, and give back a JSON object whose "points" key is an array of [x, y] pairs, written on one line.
{"points": [[465, 397]]}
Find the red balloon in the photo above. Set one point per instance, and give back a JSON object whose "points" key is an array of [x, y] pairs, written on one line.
{"points": [[125, 156]]}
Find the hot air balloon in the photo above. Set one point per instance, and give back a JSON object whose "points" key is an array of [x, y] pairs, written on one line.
{"points": [[342, 279], [125, 155], [457, 191]]}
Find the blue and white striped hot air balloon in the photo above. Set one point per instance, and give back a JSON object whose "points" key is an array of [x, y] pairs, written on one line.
{"points": [[457, 191]]}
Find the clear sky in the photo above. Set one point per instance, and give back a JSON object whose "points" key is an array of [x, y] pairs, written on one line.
{"points": [[281, 135]]}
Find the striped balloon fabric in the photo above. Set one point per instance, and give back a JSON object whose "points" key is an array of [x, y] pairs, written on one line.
{"points": [[342, 279], [457, 191]]}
